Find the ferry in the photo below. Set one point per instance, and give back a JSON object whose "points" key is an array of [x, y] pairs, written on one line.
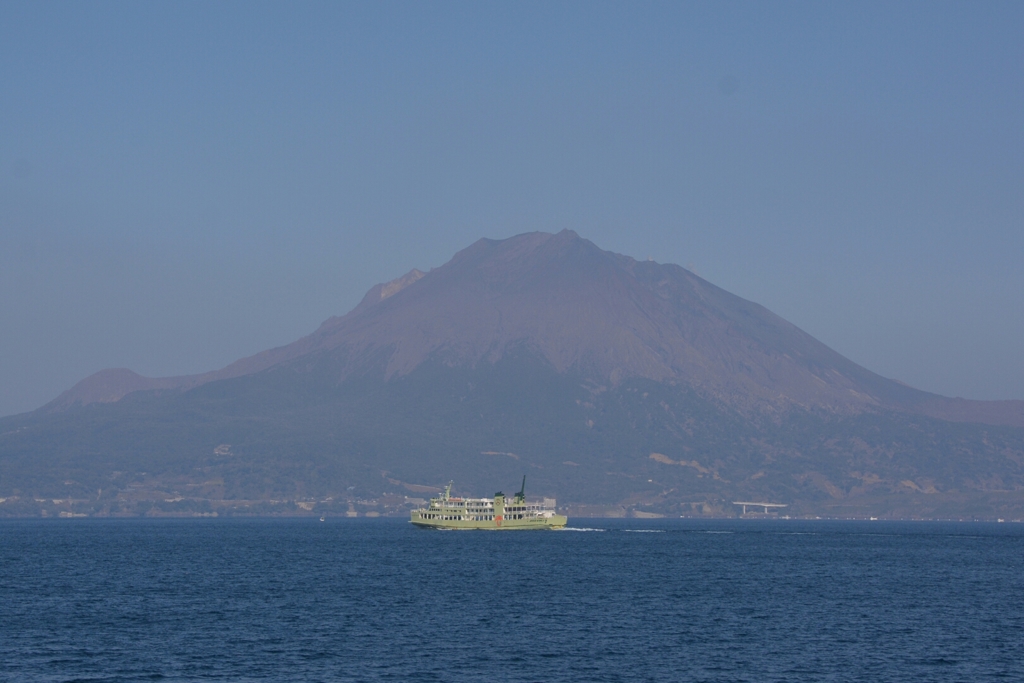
{"points": [[452, 512]]}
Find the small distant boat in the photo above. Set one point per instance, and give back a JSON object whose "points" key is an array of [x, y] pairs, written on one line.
{"points": [[322, 518], [451, 512]]}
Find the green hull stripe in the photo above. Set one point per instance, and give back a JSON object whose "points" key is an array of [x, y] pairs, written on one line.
{"points": [[554, 522]]}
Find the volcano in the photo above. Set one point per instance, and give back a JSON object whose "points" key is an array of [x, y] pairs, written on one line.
{"points": [[630, 385]]}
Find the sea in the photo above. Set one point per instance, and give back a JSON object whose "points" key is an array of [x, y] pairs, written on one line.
{"points": [[605, 600]]}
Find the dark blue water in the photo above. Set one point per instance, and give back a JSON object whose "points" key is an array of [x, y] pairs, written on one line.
{"points": [[367, 600]]}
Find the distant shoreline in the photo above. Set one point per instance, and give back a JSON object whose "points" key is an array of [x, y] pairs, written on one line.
{"points": [[395, 517]]}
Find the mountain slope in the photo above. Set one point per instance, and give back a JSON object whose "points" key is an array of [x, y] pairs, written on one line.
{"points": [[603, 315], [627, 384]]}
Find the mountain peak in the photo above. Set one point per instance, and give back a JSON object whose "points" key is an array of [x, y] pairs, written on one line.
{"points": [[107, 386], [602, 316]]}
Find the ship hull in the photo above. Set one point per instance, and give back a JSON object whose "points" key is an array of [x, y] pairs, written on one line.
{"points": [[553, 522]]}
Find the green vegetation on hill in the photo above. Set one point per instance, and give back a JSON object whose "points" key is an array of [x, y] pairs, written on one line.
{"points": [[292, 433]]}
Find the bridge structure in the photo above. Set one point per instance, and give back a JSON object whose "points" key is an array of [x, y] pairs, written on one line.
{"points": [[766, 506]]}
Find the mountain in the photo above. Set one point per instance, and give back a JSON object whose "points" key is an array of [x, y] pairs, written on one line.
{"points": [[605, 316], [628, 384]]}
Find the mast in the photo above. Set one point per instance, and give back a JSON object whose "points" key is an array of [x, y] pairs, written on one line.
{"points": [[521, 496]]}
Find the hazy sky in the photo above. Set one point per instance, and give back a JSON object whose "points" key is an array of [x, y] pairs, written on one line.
{"points": [[183, 184]]}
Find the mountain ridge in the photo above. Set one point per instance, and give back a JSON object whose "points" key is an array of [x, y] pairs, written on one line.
{"points": [[582, 308], [633, 386]]}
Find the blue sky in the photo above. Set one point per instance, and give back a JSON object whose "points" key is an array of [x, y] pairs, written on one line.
{"points": [[183, 184]]}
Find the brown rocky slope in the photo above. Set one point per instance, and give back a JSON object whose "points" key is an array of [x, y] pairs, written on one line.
{"points": [[605, 316]]}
